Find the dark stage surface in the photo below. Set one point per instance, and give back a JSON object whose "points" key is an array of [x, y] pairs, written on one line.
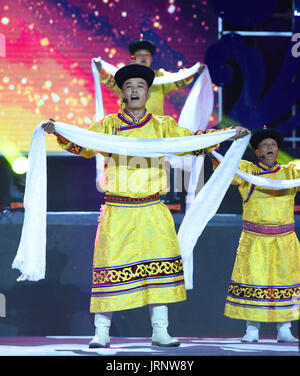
{"points": [[141, 347]]}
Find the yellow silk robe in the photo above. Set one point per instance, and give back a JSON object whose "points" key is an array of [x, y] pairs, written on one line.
{"points": [[136, 257], [265, 283], [155, 103]]}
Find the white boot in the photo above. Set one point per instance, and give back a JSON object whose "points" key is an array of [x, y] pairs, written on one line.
{"points": [[159, 321], [252, 332], [102, 324], [284, 333]]}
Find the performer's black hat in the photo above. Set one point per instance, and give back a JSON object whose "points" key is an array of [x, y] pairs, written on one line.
{"points": [[134, 71], [263, 133], [142, 44]]}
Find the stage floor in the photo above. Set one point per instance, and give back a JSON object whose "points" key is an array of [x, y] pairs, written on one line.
{"points": [[139, 346]]}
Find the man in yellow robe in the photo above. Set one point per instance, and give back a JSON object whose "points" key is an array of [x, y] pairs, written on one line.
{"points": [[137, 259], [265, 283]]}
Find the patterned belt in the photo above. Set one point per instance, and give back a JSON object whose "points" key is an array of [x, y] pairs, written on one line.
{"points": [[268, 229], [127, 201]]}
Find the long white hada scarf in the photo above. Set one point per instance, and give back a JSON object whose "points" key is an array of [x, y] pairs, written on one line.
{"points": [[31, 254]]}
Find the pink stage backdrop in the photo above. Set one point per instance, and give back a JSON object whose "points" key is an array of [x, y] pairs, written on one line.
{"points": [[47, 47]]}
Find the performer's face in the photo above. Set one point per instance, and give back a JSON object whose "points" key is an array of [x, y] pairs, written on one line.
{"points": [[143, 57], [269, 149], [135, 90]]}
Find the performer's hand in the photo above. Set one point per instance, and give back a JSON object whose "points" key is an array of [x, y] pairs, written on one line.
{"points": [[49, 126], [97, 61], [241, 132]]}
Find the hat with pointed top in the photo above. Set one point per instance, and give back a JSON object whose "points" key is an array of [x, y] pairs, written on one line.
{"points": [[142, 44]]}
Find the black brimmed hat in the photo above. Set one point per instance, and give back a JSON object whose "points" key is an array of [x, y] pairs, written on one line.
{"points": [[134, 71], [263, 133], [142, 44]]}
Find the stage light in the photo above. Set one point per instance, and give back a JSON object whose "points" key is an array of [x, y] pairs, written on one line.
{"points": [[14, 157], [20, 165]]}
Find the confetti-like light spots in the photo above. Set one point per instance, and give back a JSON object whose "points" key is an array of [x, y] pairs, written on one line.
{"points": [[5, 20], [44, 42], [171, 9], [55, 97], [84, 101], [54, 42], [47, 85]]}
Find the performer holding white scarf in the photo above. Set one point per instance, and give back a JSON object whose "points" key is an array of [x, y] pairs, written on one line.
{"points": [[136, 232], [142, 51], [194, 115], [265, 283]]}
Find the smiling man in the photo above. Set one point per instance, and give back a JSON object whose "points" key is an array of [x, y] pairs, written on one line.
{"points": [[137, 259], [265, 283]]}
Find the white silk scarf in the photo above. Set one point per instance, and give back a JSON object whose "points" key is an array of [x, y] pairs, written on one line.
{"points": [[261, 181], [165, 79], [31, 255]]}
